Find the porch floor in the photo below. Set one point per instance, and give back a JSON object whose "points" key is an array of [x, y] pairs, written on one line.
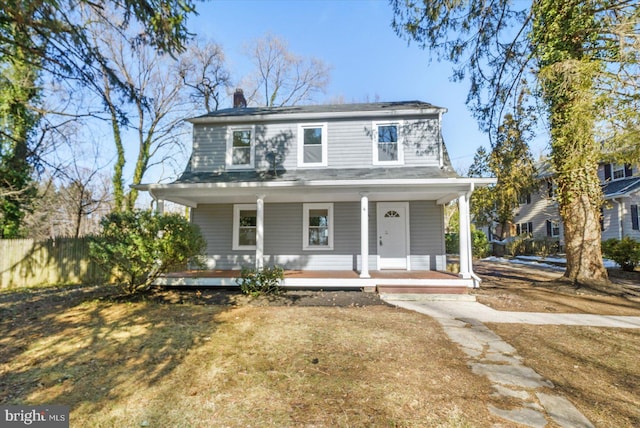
{"points": [[388, 281]]}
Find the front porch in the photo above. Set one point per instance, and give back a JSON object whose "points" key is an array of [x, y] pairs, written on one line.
{"points": [[387, 281]]}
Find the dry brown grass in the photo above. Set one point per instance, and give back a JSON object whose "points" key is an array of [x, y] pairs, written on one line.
{"points": [[596, 368], [188, 365]]}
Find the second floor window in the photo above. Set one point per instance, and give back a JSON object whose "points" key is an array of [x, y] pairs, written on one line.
{"points": [[240, 148], [613, 171], [387, 145], [312, 145]]}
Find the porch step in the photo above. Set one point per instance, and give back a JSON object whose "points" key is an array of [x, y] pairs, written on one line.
{"points": [[416, 289], [426, 297]]}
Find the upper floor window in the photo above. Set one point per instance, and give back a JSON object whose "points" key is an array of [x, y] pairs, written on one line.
{"points": [[318, 227], [387, 144], [244, 226], [524, 198], [613, 171], [240, 148], [312, 145]]}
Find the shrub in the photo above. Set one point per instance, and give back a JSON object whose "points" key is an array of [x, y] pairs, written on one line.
{"points": [[136, 247], [625, 252], [452, 242], [261, 281], [479, 243]]}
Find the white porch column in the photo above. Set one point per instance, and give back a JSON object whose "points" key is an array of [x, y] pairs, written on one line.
{"points": [[364, 236], [159, 206], [260, 232], [465, 237]]}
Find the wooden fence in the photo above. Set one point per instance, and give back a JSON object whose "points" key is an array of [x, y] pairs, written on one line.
{"points": [[27, 263]]}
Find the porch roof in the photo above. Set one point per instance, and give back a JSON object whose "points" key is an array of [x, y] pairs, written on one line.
{"points": [[621, 188], [313, 186]]}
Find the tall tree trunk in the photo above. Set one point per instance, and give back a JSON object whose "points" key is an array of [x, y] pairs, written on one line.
{"points": [[567, 77]]}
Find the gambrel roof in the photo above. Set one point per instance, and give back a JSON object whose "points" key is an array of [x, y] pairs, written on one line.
{"points": [[248, 114]]}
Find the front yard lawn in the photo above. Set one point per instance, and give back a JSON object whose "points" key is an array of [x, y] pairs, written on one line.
{"points": [[132, 363]]}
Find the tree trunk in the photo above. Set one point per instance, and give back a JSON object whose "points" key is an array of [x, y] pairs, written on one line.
{"points": [[582, 241]]}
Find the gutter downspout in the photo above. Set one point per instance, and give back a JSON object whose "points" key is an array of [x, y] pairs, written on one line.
{"points": [[620, 216], [476, 279]]}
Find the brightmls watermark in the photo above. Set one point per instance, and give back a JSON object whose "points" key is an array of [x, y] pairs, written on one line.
{"points": [[53, 416]]}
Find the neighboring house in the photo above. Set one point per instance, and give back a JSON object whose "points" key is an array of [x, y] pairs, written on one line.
{"points": [[538, 215], [349, 187]]}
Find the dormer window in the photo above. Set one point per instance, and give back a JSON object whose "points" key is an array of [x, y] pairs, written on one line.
{"points": [[312, 145], [240, 148], [387, 145]]}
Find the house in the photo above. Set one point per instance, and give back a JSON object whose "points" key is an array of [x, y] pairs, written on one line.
{"points": [[538, 214], [323, 188]]}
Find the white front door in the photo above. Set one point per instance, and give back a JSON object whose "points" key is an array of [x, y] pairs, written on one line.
{"points": [[393, 240]]}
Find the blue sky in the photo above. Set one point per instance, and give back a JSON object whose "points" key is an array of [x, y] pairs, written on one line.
{"points": [[369, 61]]}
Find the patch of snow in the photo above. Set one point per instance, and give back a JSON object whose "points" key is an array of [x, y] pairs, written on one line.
{"points": [[539, 261]]}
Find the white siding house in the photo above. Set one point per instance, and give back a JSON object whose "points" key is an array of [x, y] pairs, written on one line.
{"points": [[538, 213]]}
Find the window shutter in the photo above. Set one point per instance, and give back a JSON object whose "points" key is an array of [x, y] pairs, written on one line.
{"points": [[530, 226], [634, 217], [628, 172], [518, 229], [607, 171], [549, 228]]}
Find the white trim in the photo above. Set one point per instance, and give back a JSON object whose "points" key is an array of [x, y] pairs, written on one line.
{"points": [[324, 145], [259, 232], [236, 226], [374, 142], [229, 153], [305, 226], [364, 236], [462, 182]]}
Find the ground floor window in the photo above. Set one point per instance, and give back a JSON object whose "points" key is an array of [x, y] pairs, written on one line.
{"points": [[244, 226], [553, 228], [524, 228], [317, 227]]}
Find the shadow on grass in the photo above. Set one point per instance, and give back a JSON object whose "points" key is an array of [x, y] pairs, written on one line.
{"points": [[80, 347]]}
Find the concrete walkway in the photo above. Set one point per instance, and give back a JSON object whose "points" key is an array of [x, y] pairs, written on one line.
{"points": [[488, 355], [483, 313]]}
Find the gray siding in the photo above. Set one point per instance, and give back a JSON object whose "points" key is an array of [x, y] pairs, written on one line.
{"points": [[427, 234], [284, 229], [209, 148], [427, 227], [276, 144], [349, 144], [421, 142], [612, 223]]}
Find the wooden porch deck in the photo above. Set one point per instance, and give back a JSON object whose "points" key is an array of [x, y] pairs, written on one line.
{"points": [[388, 281]]}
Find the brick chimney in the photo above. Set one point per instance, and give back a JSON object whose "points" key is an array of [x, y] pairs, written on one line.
{"points": [[238, 99]]}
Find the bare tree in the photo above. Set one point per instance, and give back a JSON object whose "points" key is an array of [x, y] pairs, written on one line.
{"points": [[154, 108], [203, 70], [282, 78]]}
